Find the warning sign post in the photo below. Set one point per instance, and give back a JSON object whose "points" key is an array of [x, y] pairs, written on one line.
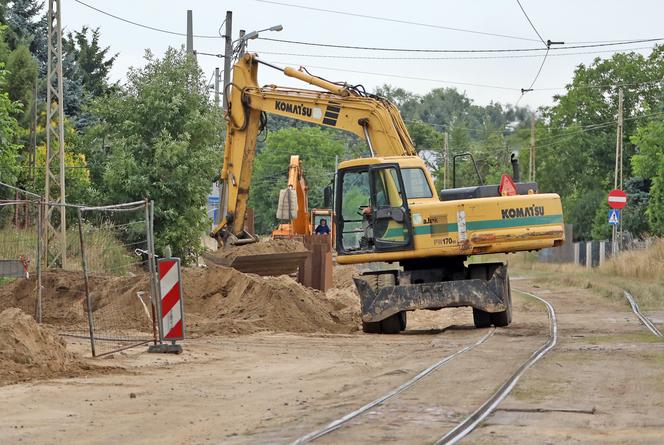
{"points": [[170, 309]]}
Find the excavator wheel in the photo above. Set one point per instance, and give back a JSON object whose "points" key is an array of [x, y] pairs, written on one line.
{"points": [[502, 319], [481, 319], [392, 324]]}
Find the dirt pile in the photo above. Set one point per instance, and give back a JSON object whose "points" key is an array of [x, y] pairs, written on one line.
{"points": [[223, 300], [217, 300], [63, 298], [28, 350], [263, 247]]}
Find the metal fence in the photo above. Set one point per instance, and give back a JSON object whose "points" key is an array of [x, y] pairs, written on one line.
{"points": [[20, 252], [105, 294], [114, 243]]}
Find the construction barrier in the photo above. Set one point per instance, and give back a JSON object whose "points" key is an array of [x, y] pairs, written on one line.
{"points": [[170, 291]]}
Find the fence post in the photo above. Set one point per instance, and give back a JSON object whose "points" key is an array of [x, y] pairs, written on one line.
{"points": [[38, 309], [589, 254], [156, 299], [151, 267], [602, 253], [84, 264]]}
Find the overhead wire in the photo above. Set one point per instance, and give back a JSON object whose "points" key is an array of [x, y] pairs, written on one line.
{"points": [[141, 25], [450, 50], [392, 20], [368, 57], [531, 23]]}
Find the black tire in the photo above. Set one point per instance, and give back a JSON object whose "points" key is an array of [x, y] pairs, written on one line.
{"points": [[403, 320], [481, 319], [392, 324], [503, 319], [371, 328]]}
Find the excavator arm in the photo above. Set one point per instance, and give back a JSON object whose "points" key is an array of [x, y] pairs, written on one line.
{"points": [[340, 106]]}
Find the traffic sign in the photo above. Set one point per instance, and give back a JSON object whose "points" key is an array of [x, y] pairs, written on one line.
{"points": [[507, 186], [614, 217], [617, 199]]}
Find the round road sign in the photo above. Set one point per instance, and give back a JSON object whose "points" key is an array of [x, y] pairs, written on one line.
{"points": [[617, 199]]}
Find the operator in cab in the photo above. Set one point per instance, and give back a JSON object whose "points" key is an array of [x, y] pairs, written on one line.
{"points": [[323, 228]]}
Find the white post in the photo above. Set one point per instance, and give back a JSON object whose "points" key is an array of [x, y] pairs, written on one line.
{"points": [[589, 254]]}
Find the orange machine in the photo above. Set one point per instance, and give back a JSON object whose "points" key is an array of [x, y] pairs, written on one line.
{"points": [[300, 225]]}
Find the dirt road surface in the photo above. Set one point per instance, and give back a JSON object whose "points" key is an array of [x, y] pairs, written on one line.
{"points": [[274, 388]]}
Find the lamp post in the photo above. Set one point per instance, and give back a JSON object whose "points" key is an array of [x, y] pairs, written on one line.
{"points": [[245, 37]]}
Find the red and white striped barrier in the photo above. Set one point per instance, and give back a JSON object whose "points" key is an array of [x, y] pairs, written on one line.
{"points": [[170, 291]]}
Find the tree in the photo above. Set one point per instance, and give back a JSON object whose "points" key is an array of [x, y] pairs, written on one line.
{"points": [[8, 128], [162, 143], [317, 148], [649, 163], [21, 79], [93, 61]]}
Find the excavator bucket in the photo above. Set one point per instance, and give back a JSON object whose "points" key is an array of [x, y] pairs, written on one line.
{"points": [[262, 264]]}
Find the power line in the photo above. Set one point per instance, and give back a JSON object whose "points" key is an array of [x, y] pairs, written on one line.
{"points": [[368, 57], [141, 25], [433, 50], [531, 23], [386, 19], [499, 87]]}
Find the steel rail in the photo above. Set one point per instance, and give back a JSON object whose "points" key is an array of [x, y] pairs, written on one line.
{"points": [[352, 415], [645, 320], [473, 420]]}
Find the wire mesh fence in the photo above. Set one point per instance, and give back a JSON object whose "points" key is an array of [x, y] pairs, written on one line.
{"points": [[19, 252], [104, 295], [113, 245]]}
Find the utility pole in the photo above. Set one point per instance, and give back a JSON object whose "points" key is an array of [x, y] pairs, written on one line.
{"points": [[190, 32], [228, 55], [228, 60], [243, 43], [217, 77], [617, 176], [446, 157], [55, 227], [531, 164]]}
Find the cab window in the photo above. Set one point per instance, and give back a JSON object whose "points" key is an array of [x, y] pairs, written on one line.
{"points": [[416, 184]]}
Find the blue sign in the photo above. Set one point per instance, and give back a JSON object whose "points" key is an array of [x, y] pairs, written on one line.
{"points": [[614, 217]]}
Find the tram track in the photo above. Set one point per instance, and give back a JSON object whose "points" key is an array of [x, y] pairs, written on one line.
{"points": [[468, 424], [642, 317]]}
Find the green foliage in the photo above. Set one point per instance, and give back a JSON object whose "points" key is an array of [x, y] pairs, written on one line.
{"points": [[317, 148], [649, 163], [9, 168], [581, 208], [93, 61], [162, 143], [21, 80]]}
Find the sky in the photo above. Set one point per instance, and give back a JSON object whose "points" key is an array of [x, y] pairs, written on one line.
{"points": [[483, 80]]}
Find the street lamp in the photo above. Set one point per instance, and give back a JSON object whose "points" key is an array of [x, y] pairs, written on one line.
{"points": [[242, 41]]}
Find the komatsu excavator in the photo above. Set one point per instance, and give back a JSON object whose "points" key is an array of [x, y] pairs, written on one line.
{"points": [[387, 208]]}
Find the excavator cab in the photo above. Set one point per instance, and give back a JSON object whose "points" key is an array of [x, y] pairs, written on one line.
{"points": [[372, 210]]}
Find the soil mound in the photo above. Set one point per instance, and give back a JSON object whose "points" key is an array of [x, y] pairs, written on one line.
{"points": [[223, 300], [217, 300], [259, 248], [28, 350], [63, 298]]}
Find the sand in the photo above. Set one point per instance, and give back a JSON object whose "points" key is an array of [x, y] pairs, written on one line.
{"points": [[262, 247], [217, 300], [29, 351]]}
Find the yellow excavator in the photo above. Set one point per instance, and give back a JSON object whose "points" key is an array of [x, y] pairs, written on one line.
{"points": [[387, 208]]}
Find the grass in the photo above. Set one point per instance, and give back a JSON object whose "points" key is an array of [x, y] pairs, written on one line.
{"points": [[638, 271], [104, 251]]}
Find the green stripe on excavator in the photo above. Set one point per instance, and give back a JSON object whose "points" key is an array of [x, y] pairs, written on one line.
{"points": [[429, 229]]}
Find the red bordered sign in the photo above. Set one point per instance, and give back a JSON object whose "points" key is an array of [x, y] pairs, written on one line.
{"points": [[170, 291]]}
